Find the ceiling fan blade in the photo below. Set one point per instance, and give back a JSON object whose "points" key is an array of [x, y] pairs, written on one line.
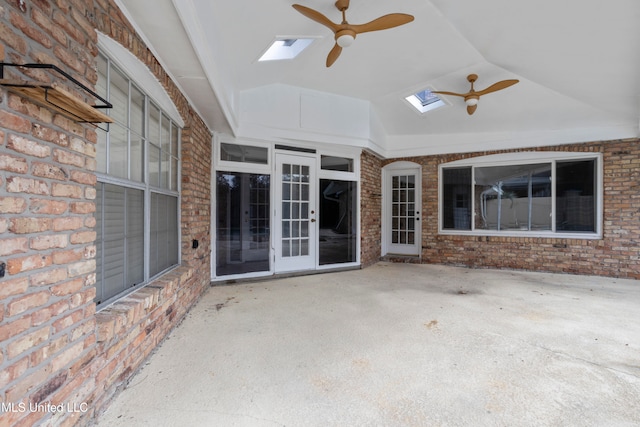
{"points": [[449, 93], [316, 16], [384, 22], [471, 109], [334, 54], [497, 86]]}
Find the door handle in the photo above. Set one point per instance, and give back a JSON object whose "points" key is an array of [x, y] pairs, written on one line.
{"points": [[313, 220]]}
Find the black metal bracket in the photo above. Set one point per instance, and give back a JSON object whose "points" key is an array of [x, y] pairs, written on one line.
{"points": [[106, 104]]}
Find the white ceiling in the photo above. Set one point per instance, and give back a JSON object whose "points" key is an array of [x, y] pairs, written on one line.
{"points": [[578, 62]]}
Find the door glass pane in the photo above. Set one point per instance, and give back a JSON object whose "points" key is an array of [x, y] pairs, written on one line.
{"points": [[295, 209], [403, 209], [242, 223], [338, 221]]}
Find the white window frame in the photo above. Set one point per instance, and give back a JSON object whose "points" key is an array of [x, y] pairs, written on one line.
{"points": [[139, 75], [509, 159], [220, 165]]}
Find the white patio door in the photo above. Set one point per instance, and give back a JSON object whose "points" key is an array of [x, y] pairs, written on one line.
{"points": [[402, 204], [295, 213]]}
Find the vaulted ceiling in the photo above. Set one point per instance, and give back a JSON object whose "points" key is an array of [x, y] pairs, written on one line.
{"points": [[578, 62]]}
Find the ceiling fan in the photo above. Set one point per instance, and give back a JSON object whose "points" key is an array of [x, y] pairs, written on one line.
{"points": [[345, 33], [472, 97]]}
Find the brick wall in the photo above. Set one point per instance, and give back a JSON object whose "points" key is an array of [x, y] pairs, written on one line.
{"points": [[371, 208], [54, 347], [616, 255]]}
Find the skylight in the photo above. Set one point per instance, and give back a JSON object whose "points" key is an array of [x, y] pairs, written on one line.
{"points": [[285, 48], [425, 100]]}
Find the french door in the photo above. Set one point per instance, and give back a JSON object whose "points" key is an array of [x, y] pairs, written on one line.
{"points": [[295, 213], [402, 226]]}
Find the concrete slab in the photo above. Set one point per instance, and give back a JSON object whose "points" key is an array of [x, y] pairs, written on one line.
{"points": [[398, 345]]}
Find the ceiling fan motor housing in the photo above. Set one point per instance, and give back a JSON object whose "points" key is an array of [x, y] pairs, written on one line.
{"points": [[345, 37]]}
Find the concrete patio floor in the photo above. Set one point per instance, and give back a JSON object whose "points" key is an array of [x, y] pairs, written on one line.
{"points": [[398, 345]]}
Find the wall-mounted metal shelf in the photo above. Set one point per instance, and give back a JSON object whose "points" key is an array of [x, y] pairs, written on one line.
{"points": [[58, 99], [55, 96]]}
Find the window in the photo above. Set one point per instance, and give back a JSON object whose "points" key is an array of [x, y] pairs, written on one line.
{"points": [[244, 153], [138, 190], [286, 48], [424, 101], [522, 193], [334, 163]]}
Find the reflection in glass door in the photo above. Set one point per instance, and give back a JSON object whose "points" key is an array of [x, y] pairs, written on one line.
{"points": [[338, 222], [296, 216], [243, 225]]}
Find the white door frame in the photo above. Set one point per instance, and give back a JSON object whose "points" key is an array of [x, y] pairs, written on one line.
{"points": [[306, 219], [390, 170]]}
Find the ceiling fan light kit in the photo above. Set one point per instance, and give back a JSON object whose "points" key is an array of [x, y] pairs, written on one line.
{"points": [[345, 38], [345, 33]]}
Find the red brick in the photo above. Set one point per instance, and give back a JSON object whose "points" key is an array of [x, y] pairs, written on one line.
{"points": [[67, 321], [14, 122], [67, 223], [66, 190], [48, 277], [44, 21], [50, 135], [28, 263], [45, 170], [27, 302], [67, 288], [44, 353], [90, 222], [26, 107], [10, 287], [12, 205], [41, 316], [90, 193], [28, 146], [69, 59], [50, 207], [16, 184], [27, 383], [67, 257], [14, 371], [14, 246], [26, 225], [14, 328], [83, 267], [13, 163], [83, 147], [83, 177], [31, 32], [82, 207], [24, 344], [83, 237], [68, 158], [54, 241]]}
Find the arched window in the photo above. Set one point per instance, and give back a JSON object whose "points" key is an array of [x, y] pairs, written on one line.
{"points": [[138, 169]]}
